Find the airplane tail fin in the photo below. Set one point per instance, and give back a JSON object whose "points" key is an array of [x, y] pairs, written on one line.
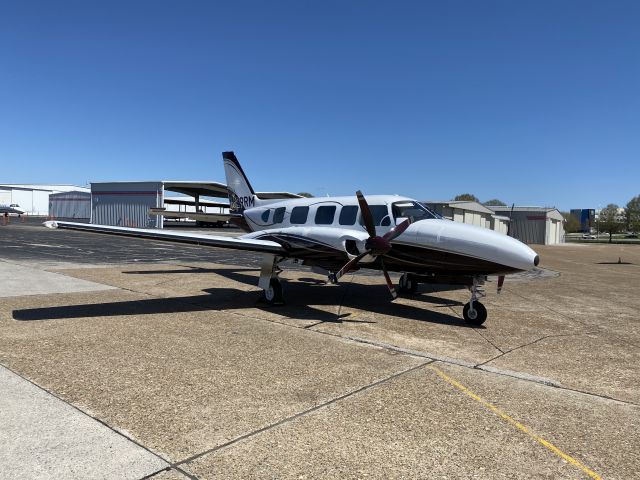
{"points": [[241, 193]]}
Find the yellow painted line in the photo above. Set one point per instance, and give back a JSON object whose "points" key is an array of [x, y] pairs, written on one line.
{"points": [[515, 423]]}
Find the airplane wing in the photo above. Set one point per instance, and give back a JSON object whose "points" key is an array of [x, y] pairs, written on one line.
{"points": [[264, 246]]}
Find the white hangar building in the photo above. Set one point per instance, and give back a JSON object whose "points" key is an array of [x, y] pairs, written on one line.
{"points": [[473, 213], [534, 225], [34, 199], [531, 225], [71, 206]]}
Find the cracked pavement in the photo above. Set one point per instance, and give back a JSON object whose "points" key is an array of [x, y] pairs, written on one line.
{"points": [[180, 358]]}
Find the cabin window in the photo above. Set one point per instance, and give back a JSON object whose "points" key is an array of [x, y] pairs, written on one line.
{"points": [[299, 215], [348, 215], [265, 216], [379, 212], [278, 215], [325, 214]]}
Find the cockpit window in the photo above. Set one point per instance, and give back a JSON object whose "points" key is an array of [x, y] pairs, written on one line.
{"points": [[380, 214], [412, 210], [14, 205]]}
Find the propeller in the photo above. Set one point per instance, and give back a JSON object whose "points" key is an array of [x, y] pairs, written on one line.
{"points": [[375, 245], [501, 277]]}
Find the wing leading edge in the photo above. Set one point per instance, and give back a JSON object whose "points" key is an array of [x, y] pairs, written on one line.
{"points": [[263, 246]]}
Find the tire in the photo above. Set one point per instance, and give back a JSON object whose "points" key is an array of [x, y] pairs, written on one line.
{"points": [[407, 284], [273, 294], [479, 314]]}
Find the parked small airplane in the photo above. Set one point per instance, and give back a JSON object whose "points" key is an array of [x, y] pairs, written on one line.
{"points": [[13, 208], [337, 235]]}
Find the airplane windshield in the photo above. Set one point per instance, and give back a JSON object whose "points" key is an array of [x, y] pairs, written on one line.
{"points": [[412, 210]]}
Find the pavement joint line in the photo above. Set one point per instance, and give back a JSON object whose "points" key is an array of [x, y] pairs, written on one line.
{"points": [[303, 413], [624, 340], [505, 373], [407, 351], [515, 423], [168, 469], [585, 324], [452, 361], [544, 337], [551, 309], [313, 325], [102, 422], [433, 290]]}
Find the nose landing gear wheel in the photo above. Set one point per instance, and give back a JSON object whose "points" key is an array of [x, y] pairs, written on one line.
{"points": [[407, 284], [273, 294], [477, 316]]}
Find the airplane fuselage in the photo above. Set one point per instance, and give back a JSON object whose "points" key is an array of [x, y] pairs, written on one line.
{"points": [[328, 231], [12, 208]]}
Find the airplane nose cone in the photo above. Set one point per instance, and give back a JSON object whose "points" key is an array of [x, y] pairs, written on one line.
{"points": [[536, 260]]}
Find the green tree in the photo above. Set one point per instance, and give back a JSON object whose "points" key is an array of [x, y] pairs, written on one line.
{"points": [[495, 202], [609, 221], [632, 216], [467, 197], [305, 194], [571, 223]]}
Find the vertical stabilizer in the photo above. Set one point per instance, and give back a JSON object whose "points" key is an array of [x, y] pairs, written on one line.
{"points": [[241, 193]]}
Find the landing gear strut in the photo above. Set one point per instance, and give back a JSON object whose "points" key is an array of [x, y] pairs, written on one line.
{"points": [[474, 312], [407, 284], [269, 281]]}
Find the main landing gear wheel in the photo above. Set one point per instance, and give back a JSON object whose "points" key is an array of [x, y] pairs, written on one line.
{"points": [[477, 316], [273, 294], [407, 284]]}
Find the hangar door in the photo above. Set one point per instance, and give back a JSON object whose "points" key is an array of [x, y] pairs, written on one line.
{"points": [[126, 204], [5, 197]]}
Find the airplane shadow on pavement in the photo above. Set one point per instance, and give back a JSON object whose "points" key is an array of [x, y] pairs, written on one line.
{"points": [[299, 295]]}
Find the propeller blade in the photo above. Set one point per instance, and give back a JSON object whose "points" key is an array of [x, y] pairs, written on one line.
{"points": [[500, 283], [367, 218], [510, 216], [388, 279], [397, 230], [350, 265]]}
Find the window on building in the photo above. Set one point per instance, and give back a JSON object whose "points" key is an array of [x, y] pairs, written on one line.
{"points": [[278, 215], [325, 215], [348, 215], [299, 215]]}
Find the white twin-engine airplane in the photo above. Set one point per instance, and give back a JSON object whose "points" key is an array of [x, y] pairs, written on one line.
{"points": [[340, 234], [13, 208]]}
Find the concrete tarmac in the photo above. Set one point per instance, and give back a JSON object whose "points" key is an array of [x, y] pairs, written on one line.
{"points": [[182, 360]]}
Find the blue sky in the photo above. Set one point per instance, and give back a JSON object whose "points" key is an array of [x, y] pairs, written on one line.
{"points": [[531, 102]]}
